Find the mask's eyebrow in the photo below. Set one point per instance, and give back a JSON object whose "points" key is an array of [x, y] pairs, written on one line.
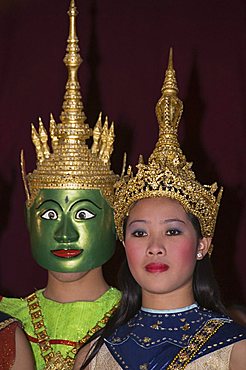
{"points": [[82, 201], [49, 200]]}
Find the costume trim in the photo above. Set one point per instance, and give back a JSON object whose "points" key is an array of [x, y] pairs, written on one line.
{"points": [[187, 353], [7, 322], [54, 341], [54, 360], [177, 310]]}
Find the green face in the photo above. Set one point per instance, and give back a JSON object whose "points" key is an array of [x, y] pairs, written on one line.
{"points": [[71, 230]]}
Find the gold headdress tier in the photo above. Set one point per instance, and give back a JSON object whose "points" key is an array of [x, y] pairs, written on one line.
{"points": [[167, 173], [71, 164]]}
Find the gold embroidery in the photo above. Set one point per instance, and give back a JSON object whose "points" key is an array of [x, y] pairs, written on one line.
{"points": [[143, 367], [217, 360], [185, 327], [146, 339], [58, 362], [198, 340]]}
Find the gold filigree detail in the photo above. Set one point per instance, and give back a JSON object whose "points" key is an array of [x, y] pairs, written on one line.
{"points": [[146, 339], [70, 164], [167, 173], [143, 367], [156, 326], [185, 327], [58, 362]]}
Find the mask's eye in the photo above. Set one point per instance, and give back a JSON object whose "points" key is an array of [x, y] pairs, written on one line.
{"points": [[83, 214], [50, 215]]}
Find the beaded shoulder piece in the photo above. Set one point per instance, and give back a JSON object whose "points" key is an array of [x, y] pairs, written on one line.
{"points": [[186, 354]]}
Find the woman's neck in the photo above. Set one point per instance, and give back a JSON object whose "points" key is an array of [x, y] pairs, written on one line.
{"points": [[168, 301]]}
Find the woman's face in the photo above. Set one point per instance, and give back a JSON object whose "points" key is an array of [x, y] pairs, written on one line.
{"points": [[161, 246]]}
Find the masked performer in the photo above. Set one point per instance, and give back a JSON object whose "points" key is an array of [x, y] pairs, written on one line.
{"points": [[70, 220], [170, 316], [15, 351]]}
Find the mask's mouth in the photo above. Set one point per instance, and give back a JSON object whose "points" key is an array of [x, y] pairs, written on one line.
{"points": [[66, 253]]}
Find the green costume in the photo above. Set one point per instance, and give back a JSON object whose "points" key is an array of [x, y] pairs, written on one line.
{"points": [[66, 323]]}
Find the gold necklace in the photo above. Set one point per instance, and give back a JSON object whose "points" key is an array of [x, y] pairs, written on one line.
{"points": [[54, 360]]}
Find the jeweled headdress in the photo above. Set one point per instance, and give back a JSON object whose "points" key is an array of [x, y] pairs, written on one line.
{"points": [[167, 173], [71, 164]]}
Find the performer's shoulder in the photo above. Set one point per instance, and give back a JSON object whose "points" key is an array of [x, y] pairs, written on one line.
{"points": [[238, 355], [13, 306]]}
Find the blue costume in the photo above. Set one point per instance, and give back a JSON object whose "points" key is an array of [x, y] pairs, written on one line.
{"points": [[171, 339]]}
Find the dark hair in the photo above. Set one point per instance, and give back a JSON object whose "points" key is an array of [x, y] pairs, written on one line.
{"points": [[205, 289]]}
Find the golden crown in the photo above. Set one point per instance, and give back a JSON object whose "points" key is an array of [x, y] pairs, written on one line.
{"points": [[71, 164], [167, 173]]}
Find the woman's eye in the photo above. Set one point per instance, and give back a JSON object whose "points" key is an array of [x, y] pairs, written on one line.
{"points": [[173, 232], [139, 233], [83, 214], [50, 215]]}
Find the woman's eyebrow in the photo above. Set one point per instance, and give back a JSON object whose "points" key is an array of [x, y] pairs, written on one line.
{"points": [[173, 220], [165, 221], [135, 221]]}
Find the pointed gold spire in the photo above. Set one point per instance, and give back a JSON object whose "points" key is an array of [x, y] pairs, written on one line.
{"points": [[72, 117], [170, 86], [71, 164], [97, 132], [54, 138], [44, 139], [168, 111], [123, 165]]}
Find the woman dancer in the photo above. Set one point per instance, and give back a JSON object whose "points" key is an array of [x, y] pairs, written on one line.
{"points": [[170, 315]]}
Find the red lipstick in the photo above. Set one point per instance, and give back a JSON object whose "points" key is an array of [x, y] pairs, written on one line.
{"points": [[156, 267], [66, 253]]}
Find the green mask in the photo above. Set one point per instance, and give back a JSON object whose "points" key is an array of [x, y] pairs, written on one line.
{"points": [[71, 230]]}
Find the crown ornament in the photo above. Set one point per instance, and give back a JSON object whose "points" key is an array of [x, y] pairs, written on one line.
{"points": [[167, 173], [70, 164]]}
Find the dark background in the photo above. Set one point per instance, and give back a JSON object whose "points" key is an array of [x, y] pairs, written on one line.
{"points": [[125, 47]]}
